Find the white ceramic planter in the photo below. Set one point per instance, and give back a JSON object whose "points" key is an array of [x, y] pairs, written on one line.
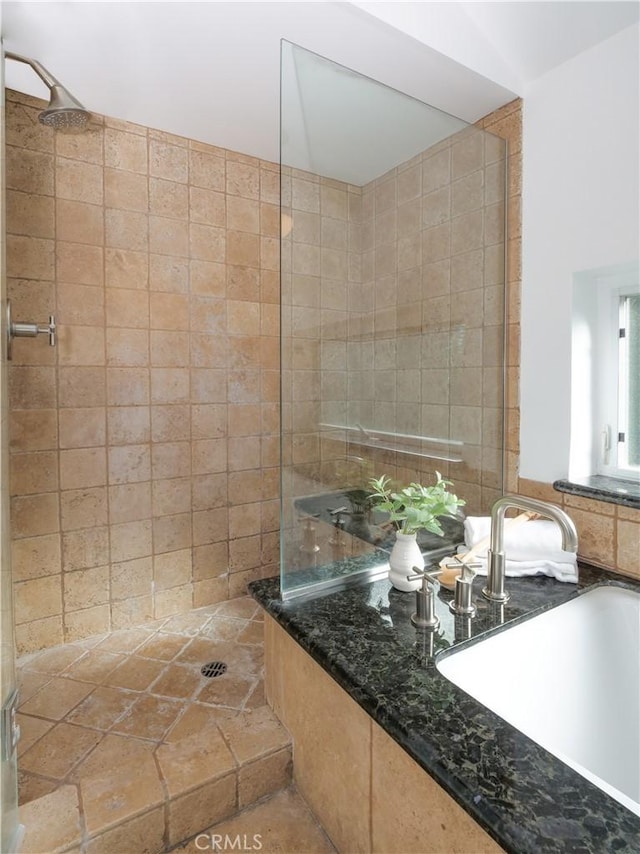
{"points": [[405, 554]]}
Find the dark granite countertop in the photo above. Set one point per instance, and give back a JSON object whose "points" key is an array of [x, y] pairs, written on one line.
{"points": [[612, 490], [526, 799]]}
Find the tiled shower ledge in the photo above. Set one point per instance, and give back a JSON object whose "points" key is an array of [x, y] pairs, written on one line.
{"points": [[127, 747]]}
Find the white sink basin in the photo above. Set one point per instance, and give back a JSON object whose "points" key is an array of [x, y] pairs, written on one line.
{"points": [[569, 679]]}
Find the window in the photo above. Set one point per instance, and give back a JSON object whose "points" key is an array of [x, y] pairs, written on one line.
{"points": [[629, 383], [618, 398], [605, 374]]}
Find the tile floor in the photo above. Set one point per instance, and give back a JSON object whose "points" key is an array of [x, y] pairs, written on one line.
{"points": [[282, 824], [126, 747]]}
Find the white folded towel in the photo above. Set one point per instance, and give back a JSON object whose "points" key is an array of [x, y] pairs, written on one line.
{"points": [[532, 548], [518, 568]]}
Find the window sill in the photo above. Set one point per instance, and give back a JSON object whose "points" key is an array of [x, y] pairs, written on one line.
{"points": [[612, 490]]}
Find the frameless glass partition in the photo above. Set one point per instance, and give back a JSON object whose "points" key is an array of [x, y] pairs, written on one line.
{"points": [[392, 266]]}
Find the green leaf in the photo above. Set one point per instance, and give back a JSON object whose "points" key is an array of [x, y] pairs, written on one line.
{"points": [[416, 506]]}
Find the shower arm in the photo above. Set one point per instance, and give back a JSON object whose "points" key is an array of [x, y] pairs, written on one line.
{"points": [[47, 78], [64, 112]]}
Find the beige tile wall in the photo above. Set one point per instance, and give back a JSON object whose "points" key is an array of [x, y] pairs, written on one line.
{"points": [[320, 258], [433, 276], [144, 447], [507, 124], [366, 272]]}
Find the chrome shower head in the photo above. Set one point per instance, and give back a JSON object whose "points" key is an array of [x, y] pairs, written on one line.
{"points": [[63, 110]]}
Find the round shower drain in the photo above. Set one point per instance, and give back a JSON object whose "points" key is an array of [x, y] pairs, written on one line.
{"points": [[213, 668]]}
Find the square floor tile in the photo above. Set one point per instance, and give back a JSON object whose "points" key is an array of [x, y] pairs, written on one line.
{"points": [[198, 652], [244, 608], [112, 752], [193, 761], [55, 754], [125, 640], [52, 822], [55, 660], [162, 647], [177, 680], [189, 624], [31, 787], [29, 683], [56, 698], [149, 717], [224, 628], [253, 633], [102, 708], [112, 798], [198, 719], [31, 729], [227, 690], [135, 673], [94, 666], [254, 734]]}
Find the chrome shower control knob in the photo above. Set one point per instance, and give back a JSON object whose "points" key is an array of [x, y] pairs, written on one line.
{"points": [[22, 329]]}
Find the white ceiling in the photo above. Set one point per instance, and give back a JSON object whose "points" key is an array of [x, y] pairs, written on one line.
{"points": [[348, 127], [512, 42], [210, 70]]}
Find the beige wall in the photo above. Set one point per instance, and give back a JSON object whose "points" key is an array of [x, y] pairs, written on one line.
{"points": [[144, 447]]}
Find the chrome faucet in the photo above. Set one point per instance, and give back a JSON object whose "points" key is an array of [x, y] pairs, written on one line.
{"points": [[494, 590]]}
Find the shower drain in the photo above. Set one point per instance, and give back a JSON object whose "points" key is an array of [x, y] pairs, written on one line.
{"points": [[213, 668]]}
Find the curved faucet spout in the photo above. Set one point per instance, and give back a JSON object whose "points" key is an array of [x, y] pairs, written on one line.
{"points": [[494, 589], [543, 508]]}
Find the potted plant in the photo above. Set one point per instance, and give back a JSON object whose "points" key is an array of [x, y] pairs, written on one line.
{"points": [[410, 509]]}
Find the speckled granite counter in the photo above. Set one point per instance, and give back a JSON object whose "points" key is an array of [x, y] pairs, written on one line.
{"points": [[612, 490], [524, 797]]}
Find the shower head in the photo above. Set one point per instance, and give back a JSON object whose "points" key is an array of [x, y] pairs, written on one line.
{"points": [[63, 110]]}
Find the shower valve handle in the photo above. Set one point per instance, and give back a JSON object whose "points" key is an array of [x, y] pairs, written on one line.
{"points": [[31, 330], [19, 329]]}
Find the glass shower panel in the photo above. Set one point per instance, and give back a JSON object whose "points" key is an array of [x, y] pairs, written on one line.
{"points": [[392, 273]]}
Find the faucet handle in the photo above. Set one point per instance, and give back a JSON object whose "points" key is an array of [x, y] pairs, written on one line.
{"points": [[462, 604], [427, 576], [425, 616], [468, 570]]}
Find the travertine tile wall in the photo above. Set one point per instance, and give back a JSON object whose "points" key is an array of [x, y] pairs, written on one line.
{"points": [[144, 447], [393, 310], [393, 316], [320, 258], [397, 319], [433, 276], [506, 123]]}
